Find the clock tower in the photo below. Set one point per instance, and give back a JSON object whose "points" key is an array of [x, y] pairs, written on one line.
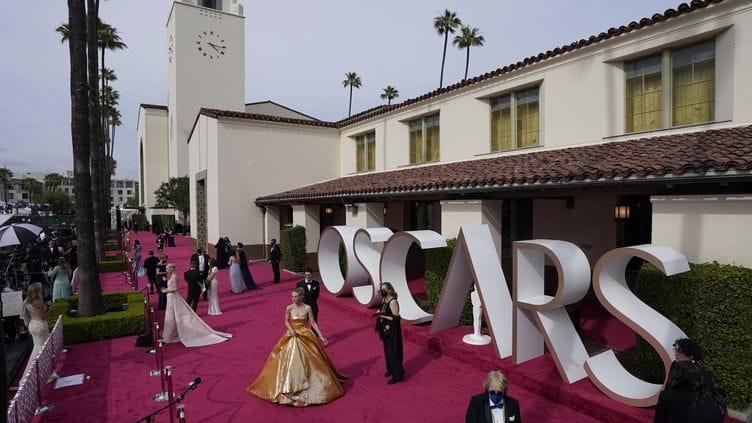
{"points": [[206, 68]]}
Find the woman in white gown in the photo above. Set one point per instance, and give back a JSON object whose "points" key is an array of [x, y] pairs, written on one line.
{"points": [[213, 286], [236, 278], [34, 316], [181, 323]]}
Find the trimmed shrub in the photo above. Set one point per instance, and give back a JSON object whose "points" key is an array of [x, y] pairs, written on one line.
{"points": [[115, 323], [437, 264], [712, 305], [111, 246], [292, 244], [113, 263]]}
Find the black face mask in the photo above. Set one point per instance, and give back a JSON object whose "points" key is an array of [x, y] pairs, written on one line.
{"points": [[383, 292]]}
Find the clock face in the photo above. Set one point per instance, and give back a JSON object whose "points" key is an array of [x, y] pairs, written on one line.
{"points": [[210, 45], [170, 49]]}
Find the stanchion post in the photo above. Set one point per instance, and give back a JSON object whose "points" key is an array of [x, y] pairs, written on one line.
{"points": [[40, 408], [147, 316], [181, 413], [161, 371], [170, 394]]}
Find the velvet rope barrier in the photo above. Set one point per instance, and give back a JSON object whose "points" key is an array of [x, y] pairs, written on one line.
{"points": [[28, 399]]}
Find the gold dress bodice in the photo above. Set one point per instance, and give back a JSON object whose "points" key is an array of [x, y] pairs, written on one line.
{"points": [[298, 371]]}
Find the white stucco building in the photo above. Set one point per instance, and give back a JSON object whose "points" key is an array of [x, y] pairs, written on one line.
{"points": [[653, 117]]}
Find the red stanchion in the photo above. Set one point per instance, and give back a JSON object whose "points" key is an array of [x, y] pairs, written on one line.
{"points": [[161, 372], [170, 394], [147, 316]]}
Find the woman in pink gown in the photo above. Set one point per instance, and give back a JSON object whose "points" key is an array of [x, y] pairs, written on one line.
{"points": [[181, 323]]}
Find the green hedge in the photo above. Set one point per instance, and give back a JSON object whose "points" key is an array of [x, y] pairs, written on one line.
{"points": [[292, 244], [111, 246], [115, 324], [113, 263], [139, 219], [437, 264], [712, 304], [164, 221]]}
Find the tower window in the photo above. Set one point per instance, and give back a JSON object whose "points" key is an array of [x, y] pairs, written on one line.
{"points": [[211, 4]]}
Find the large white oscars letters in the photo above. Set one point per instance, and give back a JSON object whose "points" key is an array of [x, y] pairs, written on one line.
{"points": [[522, 323]]}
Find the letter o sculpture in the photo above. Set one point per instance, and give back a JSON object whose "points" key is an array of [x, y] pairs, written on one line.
{"points": [[328, 258]]}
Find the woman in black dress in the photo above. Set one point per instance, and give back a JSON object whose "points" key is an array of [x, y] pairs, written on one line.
{"points": [[686, 397], [221, 253], [390, 331]]}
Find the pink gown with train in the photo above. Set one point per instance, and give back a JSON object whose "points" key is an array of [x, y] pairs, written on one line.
{"points": [[182, 324]]}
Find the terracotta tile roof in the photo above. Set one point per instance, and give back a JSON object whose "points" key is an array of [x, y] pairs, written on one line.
{"points": [[214, 113], [682, 9], [689, 155]]}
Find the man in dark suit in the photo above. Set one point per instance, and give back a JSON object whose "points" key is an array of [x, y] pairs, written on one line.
{"points": [[493, 405], [275, 255], [311, 293], [193, 277], [202, 265], [150, 265]]}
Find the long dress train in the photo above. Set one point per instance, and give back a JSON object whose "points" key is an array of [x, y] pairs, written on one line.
{"points": [[183, 324], [38, 328], [298, 371]]}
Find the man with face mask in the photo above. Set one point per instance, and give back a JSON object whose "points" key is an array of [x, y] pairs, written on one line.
{"points": [[493, 405]]}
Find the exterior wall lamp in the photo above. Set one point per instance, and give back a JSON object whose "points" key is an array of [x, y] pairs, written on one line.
{"points": [[621, 212], [351, 208], [328, 210]]}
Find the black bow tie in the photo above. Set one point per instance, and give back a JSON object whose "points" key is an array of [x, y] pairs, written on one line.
{"points": [[499, 405]]}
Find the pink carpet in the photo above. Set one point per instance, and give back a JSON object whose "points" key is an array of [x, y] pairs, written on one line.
{"points": [[442, 372]]}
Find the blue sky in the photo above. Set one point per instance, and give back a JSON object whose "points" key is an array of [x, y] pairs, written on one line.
{"points": [[297, 54]]}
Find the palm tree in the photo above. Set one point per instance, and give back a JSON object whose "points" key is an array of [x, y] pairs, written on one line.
{"points": [[52, 181], [444, 25], [107, 38], [30, 185], [90, 301], [389, 93], [5, 176], [470, 37], [352, 80]]}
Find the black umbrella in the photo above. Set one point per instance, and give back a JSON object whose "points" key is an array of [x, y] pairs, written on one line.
{"points": [[19, 233]]}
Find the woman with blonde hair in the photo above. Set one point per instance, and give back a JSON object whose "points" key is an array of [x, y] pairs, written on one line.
{"points": [[34, 315], [61, 274], [181, 323], [298, 371]]}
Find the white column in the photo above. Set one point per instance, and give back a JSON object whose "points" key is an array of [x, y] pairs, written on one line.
{"points": [[368, 215], [455, 214], [271, 223], [307, 215]]}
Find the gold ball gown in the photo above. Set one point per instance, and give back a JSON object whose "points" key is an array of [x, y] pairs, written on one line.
{"points": [[298, 371]]}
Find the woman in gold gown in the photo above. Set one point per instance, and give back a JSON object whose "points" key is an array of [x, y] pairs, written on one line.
{"points": [[299, 371]]}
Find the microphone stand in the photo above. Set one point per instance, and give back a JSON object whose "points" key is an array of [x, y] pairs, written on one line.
{"points": [[178, 399]]}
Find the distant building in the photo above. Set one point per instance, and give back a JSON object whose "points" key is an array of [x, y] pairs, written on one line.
{"points": [[120, 192]]}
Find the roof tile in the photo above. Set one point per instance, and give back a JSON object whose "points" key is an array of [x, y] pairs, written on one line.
{"points": [[717, 150]]}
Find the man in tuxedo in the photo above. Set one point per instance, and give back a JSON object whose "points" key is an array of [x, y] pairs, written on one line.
{"points": [[493, 405], [150, 265], [275, 255], [202, 265], [193, 277], [310, 294], [51, 254]]}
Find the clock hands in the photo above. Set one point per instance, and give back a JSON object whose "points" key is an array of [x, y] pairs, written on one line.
{"points": [[215, 46]]}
